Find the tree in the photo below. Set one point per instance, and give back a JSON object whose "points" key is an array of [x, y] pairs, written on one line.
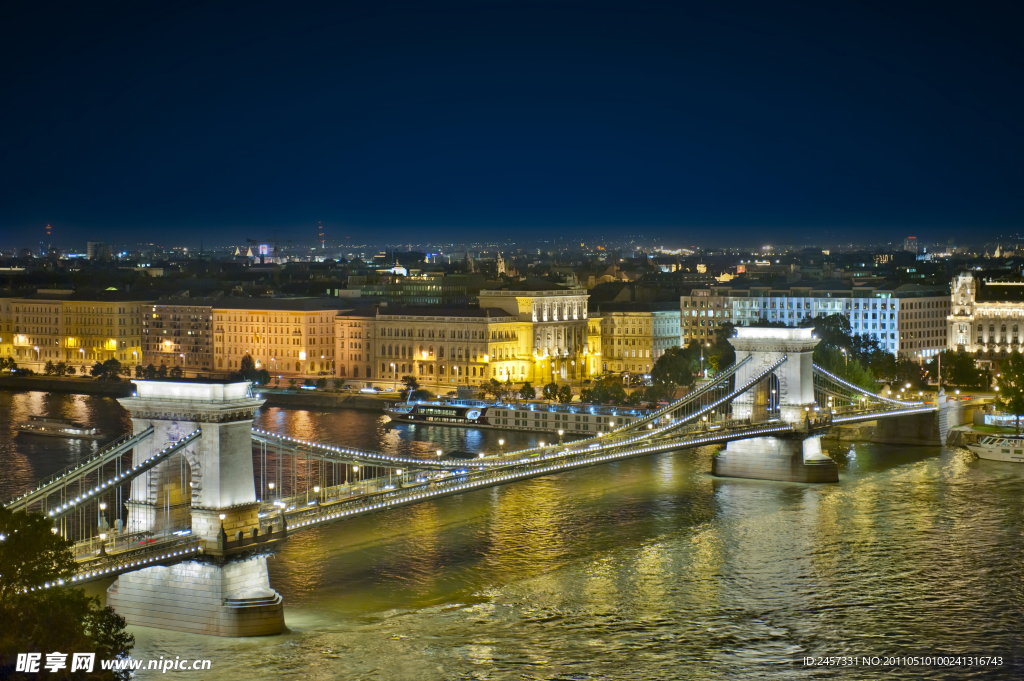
{"points": [[410, 382], [321, 384], [835, 362], [565, 394], [162, 371], [674, 367], [70, 371], [48, 620], [176, 372], [139, 371], [109, 370], [8, 363], [909, 371], [49, 368], [246, 364], [420, 395], [721, 353], [60, 368], [291, 383], [551, 391], [527, 392], [1010, 386]]}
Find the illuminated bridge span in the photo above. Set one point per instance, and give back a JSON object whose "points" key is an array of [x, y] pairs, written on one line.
{"points": [[202, 505]]}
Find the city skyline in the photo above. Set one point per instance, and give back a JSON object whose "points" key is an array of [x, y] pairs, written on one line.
{"points": [[715, 123]]}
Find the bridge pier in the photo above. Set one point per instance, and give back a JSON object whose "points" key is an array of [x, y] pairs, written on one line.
{"points": [[234, 599], [787, 396], [215, 487], [773, 458]]}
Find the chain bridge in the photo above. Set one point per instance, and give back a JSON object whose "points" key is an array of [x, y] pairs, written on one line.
{"points": [[198, 498]]}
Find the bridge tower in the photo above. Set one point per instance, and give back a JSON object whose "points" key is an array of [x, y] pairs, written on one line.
{"points": [[787, 395], [213, 494]]}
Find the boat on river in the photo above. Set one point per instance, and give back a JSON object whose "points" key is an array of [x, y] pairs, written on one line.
{"points": [[999, 448], [571, 419], [56, 427]]}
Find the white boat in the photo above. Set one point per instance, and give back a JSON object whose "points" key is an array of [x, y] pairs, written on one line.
{"points": [[55, 427], [1000, 448]]}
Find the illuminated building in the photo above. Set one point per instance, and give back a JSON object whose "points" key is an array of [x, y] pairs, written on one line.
{"points": [[986, 317], [635, 335], [59, 326]]}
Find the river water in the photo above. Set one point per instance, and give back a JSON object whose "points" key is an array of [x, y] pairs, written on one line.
{"points": [[643, 569]]}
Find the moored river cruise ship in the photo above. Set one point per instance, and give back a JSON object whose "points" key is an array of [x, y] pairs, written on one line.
{"points": [[571, 419]]}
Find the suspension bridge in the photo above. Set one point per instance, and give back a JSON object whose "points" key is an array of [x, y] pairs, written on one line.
{"points": [[198, 497]]}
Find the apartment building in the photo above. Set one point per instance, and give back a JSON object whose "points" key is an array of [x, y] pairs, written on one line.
{"points": [[635, 335], [62, 326], [904, 320]]}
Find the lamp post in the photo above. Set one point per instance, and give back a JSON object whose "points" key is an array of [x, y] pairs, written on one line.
{"points": [[270, 485], [560, 432], [501, 445], [394, 374], [182, 355]]}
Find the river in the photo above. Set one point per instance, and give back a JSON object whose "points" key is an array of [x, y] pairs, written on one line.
{"points": [[643, 569]]}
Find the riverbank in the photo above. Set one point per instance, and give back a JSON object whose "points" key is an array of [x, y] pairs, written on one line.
{"points": [[74, 386], [308, 399]]}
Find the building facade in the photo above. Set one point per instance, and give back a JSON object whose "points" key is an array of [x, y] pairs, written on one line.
{"points": [[905, 320], [552, 333], [57, 326], [635, 335], [289, 337], [986, 318], [179, 333]]}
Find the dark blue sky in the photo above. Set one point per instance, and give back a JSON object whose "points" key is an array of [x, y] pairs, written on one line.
{"points": [[711, 123]]}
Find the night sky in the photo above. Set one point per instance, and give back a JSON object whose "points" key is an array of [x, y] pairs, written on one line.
{"points": [[703, 123]]}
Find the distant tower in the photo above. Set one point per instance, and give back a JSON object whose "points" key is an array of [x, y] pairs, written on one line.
{"points": [[501, 264], [469, 262], [321, 235]]}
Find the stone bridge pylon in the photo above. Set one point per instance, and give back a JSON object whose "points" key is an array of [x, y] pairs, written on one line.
{"points": [[212, 493], [787, 395]]}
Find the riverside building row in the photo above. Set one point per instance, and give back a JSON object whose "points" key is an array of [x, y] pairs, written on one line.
{"points": [[907, 320], [537, 336]]}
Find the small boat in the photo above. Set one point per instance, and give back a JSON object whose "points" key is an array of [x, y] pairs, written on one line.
{"points": [[1000, 448], [56, 427]]}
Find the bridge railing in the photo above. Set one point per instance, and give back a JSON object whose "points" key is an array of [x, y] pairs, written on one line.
{"points": [[70, 474], [544, 465], [839, 384], [127, 476]]}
